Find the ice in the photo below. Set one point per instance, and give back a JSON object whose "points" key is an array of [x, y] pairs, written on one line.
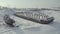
{"points": [[29, 27]]}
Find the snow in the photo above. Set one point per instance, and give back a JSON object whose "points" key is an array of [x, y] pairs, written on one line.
{"points": [[29, 27]]}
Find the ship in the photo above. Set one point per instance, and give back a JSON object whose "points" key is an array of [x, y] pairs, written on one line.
{"points": [[35, 17]]}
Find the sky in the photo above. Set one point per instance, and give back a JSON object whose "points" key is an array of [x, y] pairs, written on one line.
{"points": [[30, 3]]}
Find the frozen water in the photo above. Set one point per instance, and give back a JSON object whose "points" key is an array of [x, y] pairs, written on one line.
{"points": [[29, 27]]}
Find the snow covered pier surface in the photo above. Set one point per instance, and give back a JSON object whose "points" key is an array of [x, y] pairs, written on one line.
{"points": [[36, 17]]}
